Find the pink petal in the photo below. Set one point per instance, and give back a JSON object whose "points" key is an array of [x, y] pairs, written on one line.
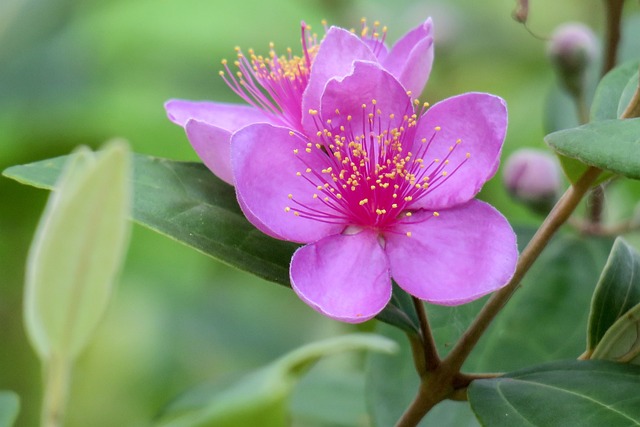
{"points": [[335, 58], [410, 59], [264, 167], [456, 257], [366, 83], [230, 117], [213, 146], [345, 277], [479, 121]]}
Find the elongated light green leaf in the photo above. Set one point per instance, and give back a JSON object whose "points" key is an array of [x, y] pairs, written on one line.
{"points": [[569, 393], [9, 408], [621, 343], [261, 398], [77, 251], [612, 145], [618, 290]]}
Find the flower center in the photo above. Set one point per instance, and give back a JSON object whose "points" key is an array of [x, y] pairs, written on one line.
{"points": [[274, 84], [374, 168]]}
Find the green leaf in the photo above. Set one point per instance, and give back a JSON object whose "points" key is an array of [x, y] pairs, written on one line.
{"points": [[400, 311], [628, 92], [546, 319], [621, 342], [618, 290], [608, 94], [262, 397], [612, 145], [186, 202], [77, 251], [9, 408], [569, 393]]}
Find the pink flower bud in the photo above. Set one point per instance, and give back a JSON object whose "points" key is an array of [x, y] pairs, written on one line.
{"points": [[572, 48], [533, 178]]}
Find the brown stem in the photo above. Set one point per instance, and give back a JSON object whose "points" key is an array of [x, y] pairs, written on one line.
{"points": [[560, 213], [614, 18], [430, 351]]}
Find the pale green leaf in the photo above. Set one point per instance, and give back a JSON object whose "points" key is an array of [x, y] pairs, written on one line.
{"points": [[77, 251], [262, 397], [621, 342], [9, 408]]}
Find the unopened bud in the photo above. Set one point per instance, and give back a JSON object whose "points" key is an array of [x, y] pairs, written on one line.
{"points": [[573, 47], [533, 178]]}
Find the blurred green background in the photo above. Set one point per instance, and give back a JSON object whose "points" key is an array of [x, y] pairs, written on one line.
{"points": [[81, 72]]}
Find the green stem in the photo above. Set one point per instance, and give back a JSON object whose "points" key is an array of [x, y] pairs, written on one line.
{"points": [[56, 391]]}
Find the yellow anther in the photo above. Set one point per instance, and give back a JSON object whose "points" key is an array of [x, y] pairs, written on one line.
{"points": [[295, 151], [363, 201], [287, 209], [296, 213], [408, 234], [437, 128], [468, 155], [458, 141], [290, 196], [298, 174], [436, 214], [308, 170], [292, 133], [313, 112], [224, 62], [315, 196], [444, 173], [308, 150], [408, 199], [374, 102], [408, 214], [364, 105], [339, 196]]}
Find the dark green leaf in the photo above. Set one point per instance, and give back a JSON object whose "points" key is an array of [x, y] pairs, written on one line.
{"points": [[400, 311], [609, 91], [569, 393], [618, 290], [546, 319], [9, 408], [612, 145], [186, 202]]}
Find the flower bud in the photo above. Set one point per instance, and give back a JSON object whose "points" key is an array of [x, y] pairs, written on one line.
{"points": [[533, 178], [573, 47]]}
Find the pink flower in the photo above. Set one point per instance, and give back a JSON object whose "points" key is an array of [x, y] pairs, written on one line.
{"points": [[279, 88], [377, 190]]}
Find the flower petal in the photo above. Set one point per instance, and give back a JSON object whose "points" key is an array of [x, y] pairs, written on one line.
{"points": [[213, 146], [265, 171], [479, 121], [367, 82], [345, 277], [230, 117], [410, 59], [462, 254], [335, 58]]}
